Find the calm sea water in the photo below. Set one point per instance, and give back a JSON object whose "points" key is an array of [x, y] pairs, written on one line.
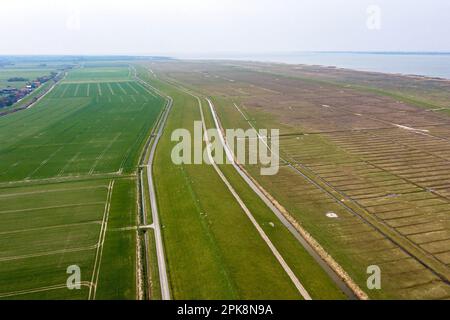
{"points": [[426, 64]]}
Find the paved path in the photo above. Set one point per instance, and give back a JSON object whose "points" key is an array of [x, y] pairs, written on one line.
{"points": [[163, 278], [155, 136]]}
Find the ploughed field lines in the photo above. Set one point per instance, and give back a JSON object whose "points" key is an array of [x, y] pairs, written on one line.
{"points": [[44, 230], [79, 129], [396, 176], [402, 274], [418, 203], [99, 74], [97, 89]]}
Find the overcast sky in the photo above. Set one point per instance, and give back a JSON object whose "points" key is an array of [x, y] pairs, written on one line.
{"points": [[216, 26]]}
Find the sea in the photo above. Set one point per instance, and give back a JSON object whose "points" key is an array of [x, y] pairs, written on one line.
{"points": [[431, 64]]}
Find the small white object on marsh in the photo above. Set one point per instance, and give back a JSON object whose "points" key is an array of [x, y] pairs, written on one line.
{"points": [[331, 215]]}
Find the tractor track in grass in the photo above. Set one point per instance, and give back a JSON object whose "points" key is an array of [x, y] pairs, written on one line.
{"points": [[41, 289], [49, 253], [101, 241]]}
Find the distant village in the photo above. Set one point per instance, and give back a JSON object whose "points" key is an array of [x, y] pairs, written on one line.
{"points": [[10, 95]]}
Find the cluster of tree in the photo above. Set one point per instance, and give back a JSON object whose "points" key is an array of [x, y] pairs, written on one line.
{"points": [[45, 78], [17, 79], [6, 101]]}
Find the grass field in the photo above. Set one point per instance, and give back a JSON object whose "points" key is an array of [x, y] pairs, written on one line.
{"points": [[100, 73], [64, 231], [68, 189], [79, 129]]}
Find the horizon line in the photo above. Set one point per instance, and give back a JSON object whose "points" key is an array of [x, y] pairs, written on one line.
{"points": [[172, 54]]}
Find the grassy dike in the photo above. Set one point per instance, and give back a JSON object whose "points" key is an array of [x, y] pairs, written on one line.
{"points": [[312, 276], [212, 249]]}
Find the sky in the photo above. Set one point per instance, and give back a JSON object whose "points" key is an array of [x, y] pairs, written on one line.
{"points": [[190, 27]]}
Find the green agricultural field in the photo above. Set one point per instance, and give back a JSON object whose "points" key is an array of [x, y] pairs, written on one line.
{"points": [[68, 187], [47, 228], [78, 129], [107, 73], [63, 231]]}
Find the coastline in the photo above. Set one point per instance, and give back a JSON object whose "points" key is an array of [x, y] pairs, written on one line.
{"points": [[369, 61], [328, 68]]}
